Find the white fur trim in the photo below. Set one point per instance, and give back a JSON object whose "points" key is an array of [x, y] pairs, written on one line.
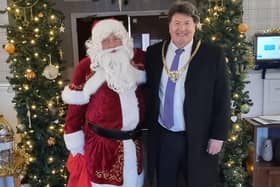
{"points": [[70, 96], [82, 97], [75, 142], [94, 82], [130, 110], [130, 175], [141, 76]]}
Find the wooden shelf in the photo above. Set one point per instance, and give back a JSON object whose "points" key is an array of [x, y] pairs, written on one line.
{"points": [[257, 124], [265, 174], [267, 165]]}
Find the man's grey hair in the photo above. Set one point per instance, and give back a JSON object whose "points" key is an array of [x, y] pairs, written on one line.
{"points": [[184, 7]]}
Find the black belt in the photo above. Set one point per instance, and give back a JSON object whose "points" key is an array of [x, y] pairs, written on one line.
{"points": [[116, 134]]}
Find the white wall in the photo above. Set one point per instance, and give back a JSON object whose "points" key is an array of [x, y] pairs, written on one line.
{"points": [[261, 15], [4, 69], [6, 106]]}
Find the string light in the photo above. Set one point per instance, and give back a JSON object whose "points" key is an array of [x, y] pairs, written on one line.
{"points": [[51, 32], [31, 159], [26, 87], [60, 82], [51, 127], [237, 127], [36, 19], [53, 17], [207, 19], [50, 104], [234, 138], [50, 159]]}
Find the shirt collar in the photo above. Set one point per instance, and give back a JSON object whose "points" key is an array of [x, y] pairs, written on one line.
{"points": [[187, 47]]}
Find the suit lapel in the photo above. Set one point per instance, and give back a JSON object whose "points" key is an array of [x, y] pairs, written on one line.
{"points": [[159, 63], [194, 60]]}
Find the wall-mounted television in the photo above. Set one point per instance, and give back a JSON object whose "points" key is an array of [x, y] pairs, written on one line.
{"points": [[267, 50]]}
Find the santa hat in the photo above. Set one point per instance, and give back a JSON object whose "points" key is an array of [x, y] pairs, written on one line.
{"points": [[101, 30]]}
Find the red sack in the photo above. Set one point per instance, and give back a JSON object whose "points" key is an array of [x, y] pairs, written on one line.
{"points": [[78, 171]]}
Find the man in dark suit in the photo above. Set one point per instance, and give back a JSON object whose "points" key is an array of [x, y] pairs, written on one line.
{"points": [[188, 104]]}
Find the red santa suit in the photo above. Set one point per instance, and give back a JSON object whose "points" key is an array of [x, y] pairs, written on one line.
{"points": [[103, 161]]}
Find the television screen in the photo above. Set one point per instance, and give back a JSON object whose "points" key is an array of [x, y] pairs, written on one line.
{"points": [[267, 49]]}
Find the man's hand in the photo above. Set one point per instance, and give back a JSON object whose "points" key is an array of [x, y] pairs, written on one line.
{"points": [[214, 146]]}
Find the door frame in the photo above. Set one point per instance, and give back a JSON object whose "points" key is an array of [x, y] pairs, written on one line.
{"points": [[75, 16]]}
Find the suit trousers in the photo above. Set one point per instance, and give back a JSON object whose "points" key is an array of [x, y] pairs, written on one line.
{"points": [[172, 156]]}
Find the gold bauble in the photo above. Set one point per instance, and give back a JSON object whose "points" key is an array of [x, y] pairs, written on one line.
{"points": [[51, 141], [40, 15], [10, 48], [30, 74], [243, 27]]}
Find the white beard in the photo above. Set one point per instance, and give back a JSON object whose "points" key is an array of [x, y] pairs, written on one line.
{"points": [[119, 73]]}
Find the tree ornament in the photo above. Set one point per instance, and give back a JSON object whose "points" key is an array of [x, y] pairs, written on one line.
{"points": [[242, 27], [60, 54], [250, 59], [62, 28], [244, 108], [28, 116], [40, 15], [51, 141], [50, 72], [10, 48], [21, 127], [30, 74], [233, 118]]}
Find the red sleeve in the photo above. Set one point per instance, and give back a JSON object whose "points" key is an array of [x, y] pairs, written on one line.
{"points": [[75, 117], [138, 59]]}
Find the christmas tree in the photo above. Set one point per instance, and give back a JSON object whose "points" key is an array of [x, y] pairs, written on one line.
{"points": [[35, 60], [223, 26]]}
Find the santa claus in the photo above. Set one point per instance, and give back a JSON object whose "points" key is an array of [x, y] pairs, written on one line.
{"points": [[105, 110]]}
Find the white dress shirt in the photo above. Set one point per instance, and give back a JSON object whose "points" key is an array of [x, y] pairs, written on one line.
{"points": [[179, 95]]}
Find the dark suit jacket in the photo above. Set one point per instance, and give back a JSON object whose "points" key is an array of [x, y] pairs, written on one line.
{"points": [[206, 109]]}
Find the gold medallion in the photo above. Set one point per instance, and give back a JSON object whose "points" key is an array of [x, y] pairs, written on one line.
{"points": [[175, 75]]}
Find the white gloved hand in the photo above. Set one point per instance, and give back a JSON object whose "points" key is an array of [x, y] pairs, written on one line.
{"points": [[75, 142]]}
